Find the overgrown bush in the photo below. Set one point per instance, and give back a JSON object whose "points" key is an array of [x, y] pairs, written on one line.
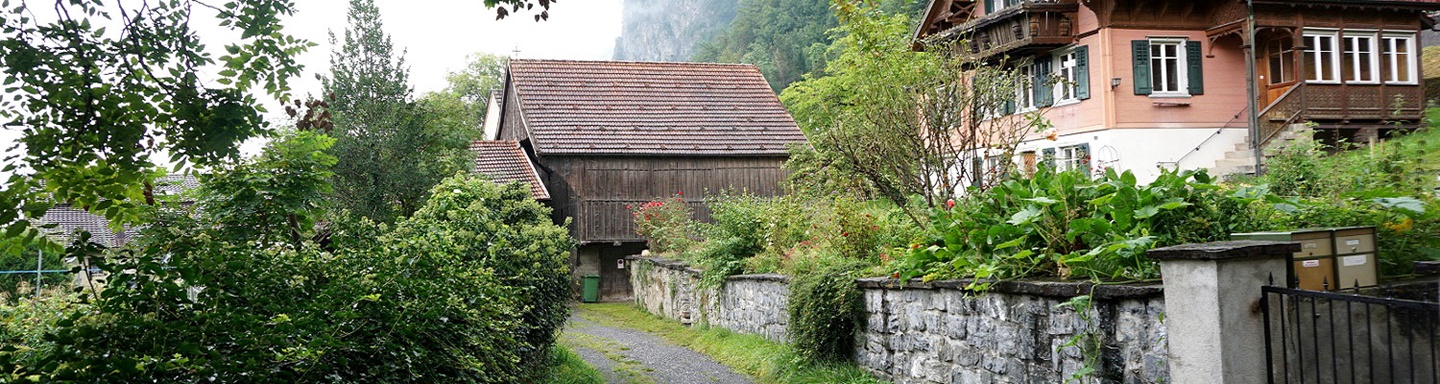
{"points": [[1068, 225], [472, 223], [470, 289], [787, 234], [826, 309]]}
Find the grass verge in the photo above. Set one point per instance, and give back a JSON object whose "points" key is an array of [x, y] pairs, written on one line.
{"points": [[566, 367], [764, 360]]}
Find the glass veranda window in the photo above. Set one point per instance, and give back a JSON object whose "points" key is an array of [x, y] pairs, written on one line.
{"points": [[1397, 59], [1321, 58], [1360, 60]]}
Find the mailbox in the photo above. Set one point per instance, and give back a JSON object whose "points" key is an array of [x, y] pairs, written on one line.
{"points": [[1329, 258]]}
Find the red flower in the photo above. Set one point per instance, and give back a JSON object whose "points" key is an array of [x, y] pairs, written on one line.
{"points": [[949, 203]]}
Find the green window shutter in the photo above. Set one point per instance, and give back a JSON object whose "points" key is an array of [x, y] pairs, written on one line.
{"points": [[1048, 158], [1141, 52], [1085, 159], [1044, 88], [1196, 75], [1082, 73], [990, 7], [1009, 107]]}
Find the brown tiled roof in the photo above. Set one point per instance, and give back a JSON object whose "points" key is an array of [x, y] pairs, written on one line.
{"points": [[505, 162], [625, 108]]}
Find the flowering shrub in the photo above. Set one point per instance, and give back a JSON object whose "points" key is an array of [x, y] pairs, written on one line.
{"points": [[665, 224]]}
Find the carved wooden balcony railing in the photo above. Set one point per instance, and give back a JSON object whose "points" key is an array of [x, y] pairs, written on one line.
{"points": [[1333, 104], [1022, 29]]}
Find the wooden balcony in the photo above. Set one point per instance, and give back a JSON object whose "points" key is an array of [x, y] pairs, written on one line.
{"points": [[1032, 26], [1344, 106]]}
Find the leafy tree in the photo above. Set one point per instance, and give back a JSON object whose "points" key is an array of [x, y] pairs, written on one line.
{"points": [[391, 150], [470, 88], [250, 200], [910, 123], [94, 106]]}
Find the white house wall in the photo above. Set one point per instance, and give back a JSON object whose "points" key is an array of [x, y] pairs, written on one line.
{"points": [[1146, 151]]}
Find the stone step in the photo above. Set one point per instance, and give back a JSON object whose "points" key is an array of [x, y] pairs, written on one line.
{"points": [[1235, 163], [1240, 154]]}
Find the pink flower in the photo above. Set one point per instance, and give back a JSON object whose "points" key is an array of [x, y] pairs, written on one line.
{"points": [[950, 203]]}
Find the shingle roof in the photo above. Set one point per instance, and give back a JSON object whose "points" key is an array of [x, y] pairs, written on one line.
{"points": [[505, 162], [625, 108], [69, 219]]}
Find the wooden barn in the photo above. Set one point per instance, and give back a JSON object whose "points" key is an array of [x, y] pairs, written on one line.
{"points": [[604, 135]]}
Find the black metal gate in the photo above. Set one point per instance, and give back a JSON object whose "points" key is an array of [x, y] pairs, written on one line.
{"points": [[1346, 337]]}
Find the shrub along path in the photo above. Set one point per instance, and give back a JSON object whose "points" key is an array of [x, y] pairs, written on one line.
{"points": [[626, 355]]}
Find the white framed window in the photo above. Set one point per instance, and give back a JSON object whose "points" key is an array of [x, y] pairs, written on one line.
{"points": [[1002, 4], [1025, 90], [1397, 58], [1067, 78], [1322, 59], [1361, 63], [1167, 68], [1075, 157]]}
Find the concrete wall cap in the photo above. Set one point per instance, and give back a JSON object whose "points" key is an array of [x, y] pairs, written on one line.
{"points": [[1226, 250]]}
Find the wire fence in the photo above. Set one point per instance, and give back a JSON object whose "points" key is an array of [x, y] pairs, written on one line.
{"points": [[32, 274]]}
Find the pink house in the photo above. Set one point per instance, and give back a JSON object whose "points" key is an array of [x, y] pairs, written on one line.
{"points": [[1151, 84]]}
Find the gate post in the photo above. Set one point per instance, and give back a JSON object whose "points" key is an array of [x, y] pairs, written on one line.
{"points": [[1212, 308]]}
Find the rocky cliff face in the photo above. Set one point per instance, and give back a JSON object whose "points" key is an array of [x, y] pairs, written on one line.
{"points": [[667, 30]]}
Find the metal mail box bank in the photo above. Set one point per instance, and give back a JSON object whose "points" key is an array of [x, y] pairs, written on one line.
{"points": [[1329, 258]]}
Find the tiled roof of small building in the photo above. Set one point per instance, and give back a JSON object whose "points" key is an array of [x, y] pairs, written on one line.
{"points": [[625, 108], [505, 162], [70, 219]]}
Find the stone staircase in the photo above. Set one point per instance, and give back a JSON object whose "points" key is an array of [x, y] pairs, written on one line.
{"points": [[1241, 160]]}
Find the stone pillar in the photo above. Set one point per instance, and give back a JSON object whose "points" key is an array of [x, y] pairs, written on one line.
{"points": [[1212, 310]]}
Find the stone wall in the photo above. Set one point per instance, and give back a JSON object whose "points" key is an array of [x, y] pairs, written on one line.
{"points": [[752, 304], [1019, 332]]}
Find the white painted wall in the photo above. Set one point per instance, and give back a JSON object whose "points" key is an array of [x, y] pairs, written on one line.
{"points": [[1145, 151]]}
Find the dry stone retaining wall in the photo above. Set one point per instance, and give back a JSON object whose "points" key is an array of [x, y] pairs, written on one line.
{"points": [[1019, 332]]}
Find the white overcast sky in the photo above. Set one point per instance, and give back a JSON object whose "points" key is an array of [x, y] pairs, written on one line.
{"points": [[439, 34], [437, 37]]}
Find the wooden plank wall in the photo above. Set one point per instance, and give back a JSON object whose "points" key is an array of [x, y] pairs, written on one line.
{"points": [[596, 190]]}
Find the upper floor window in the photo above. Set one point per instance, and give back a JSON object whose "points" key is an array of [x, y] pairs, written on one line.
{"points": [[1071, 77], [1360, 61], [1025, 90], [992, 6], [1167, 67], [1359, 57], [1397, 58], [1322, 61]]}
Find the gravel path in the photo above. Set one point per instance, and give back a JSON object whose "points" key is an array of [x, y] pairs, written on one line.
{"points": [[626, 355]]}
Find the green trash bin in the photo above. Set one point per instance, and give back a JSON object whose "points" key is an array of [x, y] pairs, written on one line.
{"points": [[590, 288]]}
